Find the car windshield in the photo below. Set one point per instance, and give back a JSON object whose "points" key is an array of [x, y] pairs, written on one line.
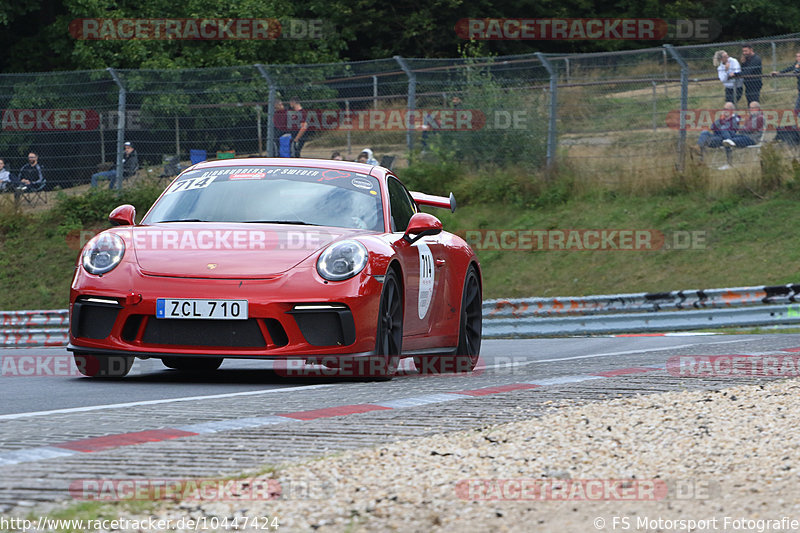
{"points": [[272, 194]]}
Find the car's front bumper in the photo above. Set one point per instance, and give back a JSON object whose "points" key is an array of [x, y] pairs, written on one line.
{"points": [[295, 315]]}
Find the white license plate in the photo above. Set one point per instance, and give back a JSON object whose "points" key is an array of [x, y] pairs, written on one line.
{"points": [[197, 308]]}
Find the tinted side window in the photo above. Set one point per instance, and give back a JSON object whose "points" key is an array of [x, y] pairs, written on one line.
{"points": [[401, 205]]}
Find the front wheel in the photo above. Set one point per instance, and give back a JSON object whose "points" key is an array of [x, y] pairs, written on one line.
{"points": [[389, 334], [103, 365], [192, 364]]}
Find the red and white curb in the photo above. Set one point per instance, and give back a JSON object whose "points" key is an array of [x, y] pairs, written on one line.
{"points": [[108, 442]]}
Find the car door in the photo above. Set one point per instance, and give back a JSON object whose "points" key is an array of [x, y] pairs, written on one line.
{"points": [[422, 264]]}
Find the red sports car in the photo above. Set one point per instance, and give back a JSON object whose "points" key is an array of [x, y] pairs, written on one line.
{"points": [[325, 262]]}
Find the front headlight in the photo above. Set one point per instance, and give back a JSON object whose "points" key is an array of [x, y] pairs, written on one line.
{"points": [[342, 260], [103, 253]]}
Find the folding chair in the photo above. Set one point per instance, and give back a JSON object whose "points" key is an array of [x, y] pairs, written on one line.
{"points": [[387, 161], [172, 167], [753, 151], [32, 196]]}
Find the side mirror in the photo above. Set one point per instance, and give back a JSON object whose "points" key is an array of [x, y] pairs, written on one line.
{"points": [[122, 215], [422, 225]]}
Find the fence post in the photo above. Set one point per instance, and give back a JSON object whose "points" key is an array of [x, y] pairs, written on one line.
{"points": [[177, 138], [655, 106], [774, 65], [412, 102], [551, 127], [375, 92], [349, 139], [270, 110], [102, 139], [258, 131], [684, 104], [117, 180]]}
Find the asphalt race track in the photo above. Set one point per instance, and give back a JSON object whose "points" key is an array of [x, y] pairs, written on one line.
{"points": [[56, 427]]}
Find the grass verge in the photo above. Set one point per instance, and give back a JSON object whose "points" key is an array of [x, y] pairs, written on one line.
{"points": [[747, 232]]}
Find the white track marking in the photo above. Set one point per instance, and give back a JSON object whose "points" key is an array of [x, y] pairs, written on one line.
{"points": [[416, 401], [607, 354], [236, 423], [28, 455], [156, 402], [563, 380]]}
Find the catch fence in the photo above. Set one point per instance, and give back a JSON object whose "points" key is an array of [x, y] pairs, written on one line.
{"points": [[609, 114]]}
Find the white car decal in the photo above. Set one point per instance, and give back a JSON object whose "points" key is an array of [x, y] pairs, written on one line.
{"points": [[425, 279]]}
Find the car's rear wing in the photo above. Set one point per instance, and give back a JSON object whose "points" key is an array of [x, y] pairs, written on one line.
{"points": [[435, 201]]}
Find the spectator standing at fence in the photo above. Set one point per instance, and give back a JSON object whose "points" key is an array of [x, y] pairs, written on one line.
{"points": [[366, 157], [723, 128], [31, 175], [130, 164], [298, 126], [751, 74], [794, 69], [5, 177], [751, 129], [727, 69], [279, 124], [337, 156], [430, 126]]}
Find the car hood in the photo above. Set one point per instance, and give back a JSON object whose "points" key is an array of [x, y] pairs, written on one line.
{"points": [[228, 250]]}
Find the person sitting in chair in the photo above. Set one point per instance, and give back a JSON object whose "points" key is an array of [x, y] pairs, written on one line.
{"points": [[723, 128], [5, 177], [130, 164], [30, 177], [752, 128]]}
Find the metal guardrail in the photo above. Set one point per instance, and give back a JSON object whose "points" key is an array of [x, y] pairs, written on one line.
{"points": [[34, 328], [534, 317], [643, 312], [533, 326]]}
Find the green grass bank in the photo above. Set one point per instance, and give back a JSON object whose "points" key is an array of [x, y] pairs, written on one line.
{"points": [[745, 232]]}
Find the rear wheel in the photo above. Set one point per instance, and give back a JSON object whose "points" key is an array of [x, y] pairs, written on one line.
{"points": [[103, 365], [469, 334], [192, 364]]}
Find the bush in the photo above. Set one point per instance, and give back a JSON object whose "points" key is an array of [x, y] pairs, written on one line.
{"points": [[497, 142], [95, 204], [512, 186], [431, 177]]}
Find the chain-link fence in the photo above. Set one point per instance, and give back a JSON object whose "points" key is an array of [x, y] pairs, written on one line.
{"points": [[606, 114], [620, 121]]}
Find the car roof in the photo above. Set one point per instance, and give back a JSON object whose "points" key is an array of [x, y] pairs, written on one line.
{"points": [[294, 162]]}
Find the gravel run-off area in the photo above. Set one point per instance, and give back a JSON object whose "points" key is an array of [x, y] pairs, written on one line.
{"points": [[720, 460]]}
